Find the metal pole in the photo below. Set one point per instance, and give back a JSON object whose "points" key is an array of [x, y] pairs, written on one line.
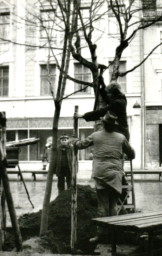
{"points": [[74, 187]]}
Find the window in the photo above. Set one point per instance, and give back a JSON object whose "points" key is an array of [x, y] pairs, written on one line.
{"points": [[48, 78], [5, 25], [13, 135], [47, 23], [113, 26], [149, 4], [4, 81], [23, 155], [10, 135], [85, 14], [117, 7], [121, 80], [37, 150], [82, 73], [87, 153], [113, 23]]}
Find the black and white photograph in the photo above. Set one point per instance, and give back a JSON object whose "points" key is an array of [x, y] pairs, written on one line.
{"points": [[81, 127]]}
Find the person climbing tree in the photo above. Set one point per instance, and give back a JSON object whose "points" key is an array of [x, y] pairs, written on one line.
{"points": [[115, 102]]}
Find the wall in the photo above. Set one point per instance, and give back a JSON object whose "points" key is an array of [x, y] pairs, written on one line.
{"points": [[153, 119], [25, 101]]}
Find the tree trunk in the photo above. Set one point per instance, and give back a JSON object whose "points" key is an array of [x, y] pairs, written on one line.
{"points": [[116, 63], [58, 103], [53, 157]]}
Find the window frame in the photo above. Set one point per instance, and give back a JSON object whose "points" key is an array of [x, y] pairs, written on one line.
{"points": [[2, 78], [82, 74], [110, 12], [150, 6], [5, 25], [120, 83], [47, 9], [46, 77]]}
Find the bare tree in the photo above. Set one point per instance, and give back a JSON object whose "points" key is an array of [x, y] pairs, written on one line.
{"points": [[79, 33], [128, 16], [129, 19], [77, 30], [66, 9]]}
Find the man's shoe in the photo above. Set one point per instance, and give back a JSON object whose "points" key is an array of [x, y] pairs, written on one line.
{"points": [[94, 239]]}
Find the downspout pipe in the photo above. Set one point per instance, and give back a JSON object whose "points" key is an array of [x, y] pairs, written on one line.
{"points": [[143, 107]]}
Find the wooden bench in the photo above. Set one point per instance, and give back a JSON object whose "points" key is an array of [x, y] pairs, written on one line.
{"points": [[13, 162], [34, 173], [150, 222], [158, 172]]}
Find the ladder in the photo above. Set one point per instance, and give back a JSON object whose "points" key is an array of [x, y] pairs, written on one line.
{"points": [[126, 203]]}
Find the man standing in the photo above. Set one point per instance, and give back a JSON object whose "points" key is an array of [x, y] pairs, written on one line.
{"points": [[64, 163], [108, 149]]}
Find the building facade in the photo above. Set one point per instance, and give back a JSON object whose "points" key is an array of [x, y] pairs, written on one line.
{"points": [[152, 89], [25, 93]]}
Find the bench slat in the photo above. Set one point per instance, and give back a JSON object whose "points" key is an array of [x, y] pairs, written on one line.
{"points": [[139, 221], [126, 216], [143, 172], [134, 221], [35, 172], [145, 226]]}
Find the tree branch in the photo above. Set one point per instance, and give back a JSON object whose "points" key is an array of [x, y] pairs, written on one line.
{"points": [[29, 45], [132, 69], [67, 96], [144, 26]]}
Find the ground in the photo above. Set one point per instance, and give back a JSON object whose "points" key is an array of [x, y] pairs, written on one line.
{"points": [[57, 239], [58, 236]]}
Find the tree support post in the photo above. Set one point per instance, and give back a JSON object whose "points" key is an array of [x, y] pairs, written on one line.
{"points": [[6, 185], [74, 187], [1, 217]]}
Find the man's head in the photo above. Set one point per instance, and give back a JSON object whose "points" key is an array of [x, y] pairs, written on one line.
{"points": [[113, 89], [64, 139], [110, 116], [109, 121], [49, 142]]}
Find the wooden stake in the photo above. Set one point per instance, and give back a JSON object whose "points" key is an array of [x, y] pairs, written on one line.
{"points": [[8, 195], [74, 188], [1, 217], [11, 209], [23, 181]]}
